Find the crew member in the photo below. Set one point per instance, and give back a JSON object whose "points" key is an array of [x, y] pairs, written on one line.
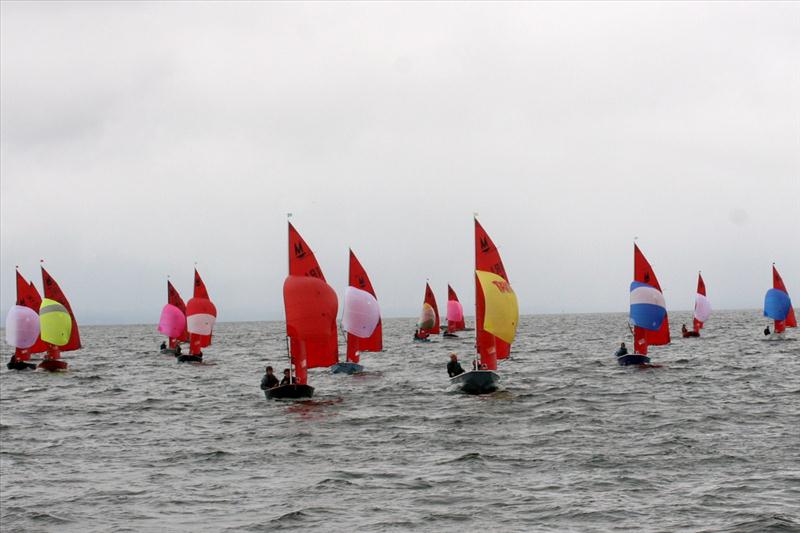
{"points": [[623, 350], [286, 378], [454, 367], [269, 380]]}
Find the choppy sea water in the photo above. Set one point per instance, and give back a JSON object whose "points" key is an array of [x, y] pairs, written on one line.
{"points": [[129, 440]]}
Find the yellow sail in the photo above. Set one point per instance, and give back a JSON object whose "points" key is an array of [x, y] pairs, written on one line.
{"points": [[56, 324], [502, 312]]}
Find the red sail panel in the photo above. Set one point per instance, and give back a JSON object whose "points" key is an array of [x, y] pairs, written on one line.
{"points": [[359, 279], [454, 326], [54, 292], [197, 342], [487, 259], [701, 289], [301, 258], [28, 296], [174, 298], [430, 299], [311, 307], [640, 340], [643, 273], [777, 283]]}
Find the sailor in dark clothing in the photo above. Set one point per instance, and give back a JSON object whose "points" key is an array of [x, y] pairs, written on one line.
{"points": [[622, 350], [285, 380], [454, 367], [177, 350], [13, 364], [163, 346], [766, 330], [269, 380]]}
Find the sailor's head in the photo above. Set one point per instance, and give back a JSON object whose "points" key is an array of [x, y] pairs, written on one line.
{"points": [[622, 345], [269, 370], [453, 357], [286, 372]]}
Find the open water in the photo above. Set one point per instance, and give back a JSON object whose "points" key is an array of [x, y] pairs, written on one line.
{"points": [[128, 440]]}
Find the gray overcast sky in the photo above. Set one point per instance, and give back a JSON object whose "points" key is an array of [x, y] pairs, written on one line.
{"points": [[138, 138]]}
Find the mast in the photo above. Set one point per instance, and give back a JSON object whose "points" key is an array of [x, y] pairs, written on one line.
{"points": [[288, 271]]}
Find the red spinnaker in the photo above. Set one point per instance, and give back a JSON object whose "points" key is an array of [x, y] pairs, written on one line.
{"points": [[54, 292], [454, 326], [701, 289], [487, 259], [360, 280], [28, 296], [430, 299], [174, 298], [791, 319], [643, 273], [311, 306], [198, 342]]}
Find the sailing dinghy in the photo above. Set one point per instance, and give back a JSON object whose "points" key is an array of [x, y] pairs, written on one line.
{"points": [[496, 317], [778, 307], [702, 309], [201, 315], [648, 312], [361, 321], [455, 314], [173, 320], [22, 326], [59, 328], [311, 307], [429, 317]]}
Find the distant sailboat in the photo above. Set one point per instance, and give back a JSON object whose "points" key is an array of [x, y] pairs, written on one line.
{"points": [[455, 314], [362, 319], [778, 306], [173, 320], [429, 317], [311, 307], [201, 315], [22, 326], [496, 317], [648, 312], [702, 309], [59, 329]]}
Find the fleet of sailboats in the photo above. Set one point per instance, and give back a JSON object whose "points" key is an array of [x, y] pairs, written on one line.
{"points": [[47, 326]]}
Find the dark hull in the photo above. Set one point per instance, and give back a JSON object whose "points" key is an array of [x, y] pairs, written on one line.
{"points": [[452, 335], [346, 367], [691, 334], [289, 392], [190, 358], [168, 351], [633, 359], [476, 381], [53, 365], [422, 340]]}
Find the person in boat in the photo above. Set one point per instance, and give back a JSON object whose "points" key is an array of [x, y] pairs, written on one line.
{"points": [[684, 330], [13, 364], [454, 367], [177, 350], [163, 346], [269, 380], [624, 350], [287, 379], [766, 330]]}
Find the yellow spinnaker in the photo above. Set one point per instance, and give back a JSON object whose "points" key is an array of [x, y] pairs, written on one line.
{"points": [[56, 324], [501, 309]]}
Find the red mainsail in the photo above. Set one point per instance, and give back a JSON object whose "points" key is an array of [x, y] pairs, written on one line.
{"points": [[487, 259], [54, 292], [199, 304], [430, 300], [643, 273], [791, 319], [454, 326], [28, 296], [174, 298], [360, 280], [701, 289], [311, 306]]}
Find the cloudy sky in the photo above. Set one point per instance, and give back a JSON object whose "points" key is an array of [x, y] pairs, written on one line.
{"points": [[137, 139]]}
